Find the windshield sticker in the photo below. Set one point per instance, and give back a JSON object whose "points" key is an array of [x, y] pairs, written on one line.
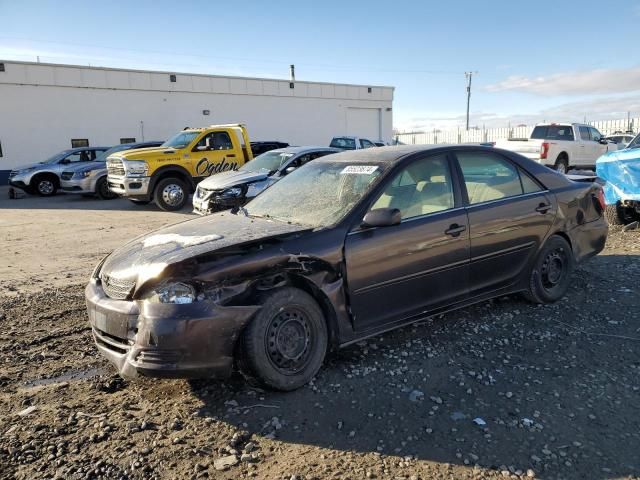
{"points": [[359, 169]]}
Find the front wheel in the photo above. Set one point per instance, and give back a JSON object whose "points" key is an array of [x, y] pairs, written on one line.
{"points": [[102, 190], [551, 273], [284, 345], [45, 185], [170, 194]]}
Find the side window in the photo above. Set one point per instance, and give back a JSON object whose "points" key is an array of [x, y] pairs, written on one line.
{"points": [[215, 141], [488, 177], [366, 143], [595, 134], [529, 185], [76, 157], [423, 187], [584, 133]]}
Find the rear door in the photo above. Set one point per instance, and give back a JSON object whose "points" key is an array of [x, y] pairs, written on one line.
{"points": [[509, 215], [397, 272]]}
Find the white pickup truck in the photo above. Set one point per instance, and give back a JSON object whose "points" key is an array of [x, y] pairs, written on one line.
{"points": [[562, 146]]}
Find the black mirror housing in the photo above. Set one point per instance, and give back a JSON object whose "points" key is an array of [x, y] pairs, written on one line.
{"points": [[381, 217]]}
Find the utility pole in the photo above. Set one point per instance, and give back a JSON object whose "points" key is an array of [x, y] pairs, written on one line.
{"points": [[468, 76]]}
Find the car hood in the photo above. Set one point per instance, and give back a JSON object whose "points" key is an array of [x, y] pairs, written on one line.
{"points": [[32, 165], [85, 166], [143, 153], [231, 178], [146, 257]]}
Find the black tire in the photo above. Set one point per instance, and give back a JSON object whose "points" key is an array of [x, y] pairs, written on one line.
{"points": [[613, 215], [171, 194], [562, 164], [45, 185], [102, 190], [284, 345], [551, 273], [139, 202]]}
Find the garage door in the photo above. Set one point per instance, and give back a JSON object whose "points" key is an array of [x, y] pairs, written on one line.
{"points": [[364, 122]]}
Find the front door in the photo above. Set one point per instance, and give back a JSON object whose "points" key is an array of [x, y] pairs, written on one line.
{"points": [[509, 216], [397, 272], [213, 153]]}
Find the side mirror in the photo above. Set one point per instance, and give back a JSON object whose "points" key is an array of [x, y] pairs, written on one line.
{"points": [[381, 217], [603, 141], [289, 169]]}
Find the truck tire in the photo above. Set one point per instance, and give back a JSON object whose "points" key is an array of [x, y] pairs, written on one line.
{"points": [[45, 185], [102, 190], [171, 194], [614, 215], [284, 345], [562, 164]]}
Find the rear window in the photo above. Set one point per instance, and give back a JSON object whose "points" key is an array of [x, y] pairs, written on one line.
{"points": [[344, 143], [552, 132]]}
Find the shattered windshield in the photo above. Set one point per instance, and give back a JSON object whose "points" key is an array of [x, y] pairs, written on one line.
{"points": [[319, 194], [268, 162], [635, 143]]}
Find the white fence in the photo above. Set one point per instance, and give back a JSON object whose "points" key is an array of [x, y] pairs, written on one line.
{"points": [[461, 135]]}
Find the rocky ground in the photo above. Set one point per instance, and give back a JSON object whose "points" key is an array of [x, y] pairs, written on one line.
{"points": [[502, 389]]}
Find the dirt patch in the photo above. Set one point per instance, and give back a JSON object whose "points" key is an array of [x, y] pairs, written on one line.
{"points": [[502, 389]]}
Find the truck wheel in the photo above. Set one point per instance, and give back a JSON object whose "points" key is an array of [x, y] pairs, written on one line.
{"points": [[139, 202], [170, 194], [551, 273], [562, 164], [614, 214], [102, 190], [45, 185], [284, 345]]}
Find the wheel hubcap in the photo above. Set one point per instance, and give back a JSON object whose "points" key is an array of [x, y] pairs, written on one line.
{"points": [[553, 268], [173, 195], [45, 186], [288, 340]]}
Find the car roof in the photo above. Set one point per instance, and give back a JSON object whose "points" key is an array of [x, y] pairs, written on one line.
{"points": [[303, 149], [390, 154]]}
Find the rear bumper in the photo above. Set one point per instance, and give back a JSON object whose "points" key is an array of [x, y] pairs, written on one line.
{"points": [[165, 340], [137, 187]]}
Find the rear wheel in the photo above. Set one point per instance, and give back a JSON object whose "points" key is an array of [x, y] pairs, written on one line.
{"points": [[171, 194], [550, 276], [562, 164], [45, 185], [102, 190], [284, 345]]}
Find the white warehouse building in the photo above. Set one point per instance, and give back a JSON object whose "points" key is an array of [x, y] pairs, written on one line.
{"points": [[46, 108]]}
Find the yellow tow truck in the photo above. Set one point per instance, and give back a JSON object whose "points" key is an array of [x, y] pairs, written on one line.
{"points": [[169, 173]]}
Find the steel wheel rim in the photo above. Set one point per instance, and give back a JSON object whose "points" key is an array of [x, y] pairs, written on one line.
{"points": [[554, 268], [45, 187], [288, 340], [173, 195]]}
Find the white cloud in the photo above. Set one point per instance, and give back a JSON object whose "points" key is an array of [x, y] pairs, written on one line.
{"points": [[601, 108], [600, 81]]}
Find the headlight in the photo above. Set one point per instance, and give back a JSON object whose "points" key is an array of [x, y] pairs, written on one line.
{"points": [[173, 293], [84, 174], [136, 168], [232, 192], [25, 170]]}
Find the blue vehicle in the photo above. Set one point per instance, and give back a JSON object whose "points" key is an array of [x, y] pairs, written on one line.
{"points": [[621, 170]]}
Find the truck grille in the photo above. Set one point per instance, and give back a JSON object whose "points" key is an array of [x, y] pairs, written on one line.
{"points": [[66, 175], [116, 288], [115, 167]]}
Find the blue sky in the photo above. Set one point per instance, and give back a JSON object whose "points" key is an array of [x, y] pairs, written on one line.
{"points": [[543, 60]]}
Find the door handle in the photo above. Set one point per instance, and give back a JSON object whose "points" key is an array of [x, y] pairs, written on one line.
{"points": [[543, 208], [231, 155], [455, 230]]}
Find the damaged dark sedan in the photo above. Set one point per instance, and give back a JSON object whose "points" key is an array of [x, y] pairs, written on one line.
{"points": [[345, 247]]}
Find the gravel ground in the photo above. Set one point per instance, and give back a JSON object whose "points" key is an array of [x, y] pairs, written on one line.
{"points": [[501, 389]]}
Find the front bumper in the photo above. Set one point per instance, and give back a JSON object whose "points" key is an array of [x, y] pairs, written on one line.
{"points": [[165, 340], [129, 186], [79, 185], [205, 206]]}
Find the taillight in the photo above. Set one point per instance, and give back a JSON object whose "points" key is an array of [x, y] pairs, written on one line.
{"points": [[544, 150], [600, 197]]}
